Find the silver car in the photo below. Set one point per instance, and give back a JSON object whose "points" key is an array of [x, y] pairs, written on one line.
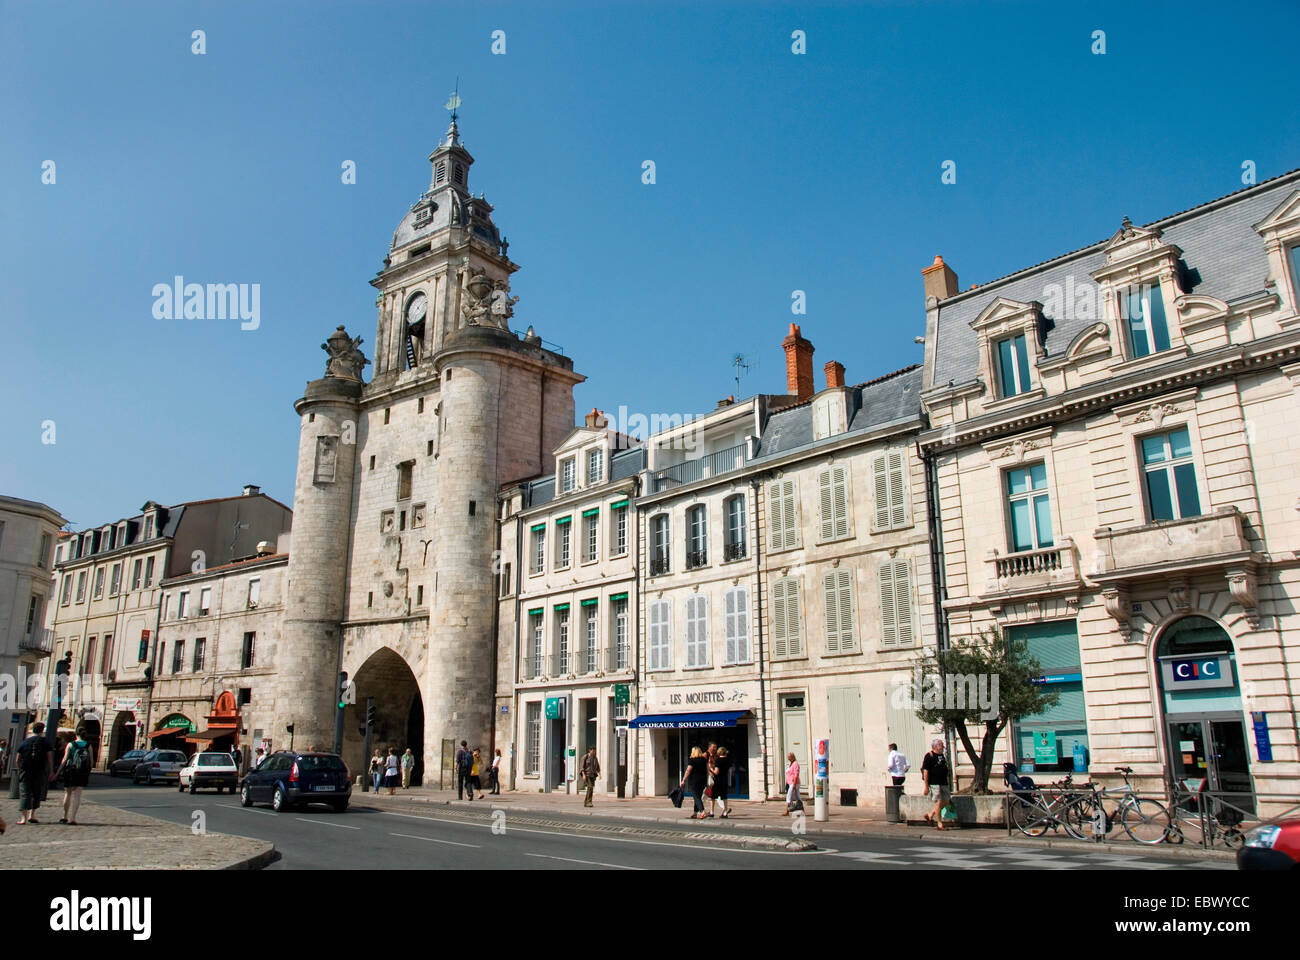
{"points": [[159, 766]]}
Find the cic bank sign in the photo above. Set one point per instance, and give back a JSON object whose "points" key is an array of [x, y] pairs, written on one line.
{"points": [[1198, 673]]}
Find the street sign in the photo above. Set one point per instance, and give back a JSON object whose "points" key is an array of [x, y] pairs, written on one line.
{"points": [[554, 708], [1263, 743], [622, 694], [1045, 747]]}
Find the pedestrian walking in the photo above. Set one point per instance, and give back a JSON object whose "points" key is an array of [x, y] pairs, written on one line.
{"points": [[236, 755], [695, 780], [934, 775], [392, 778], [721, 767], [463, 764], [496, 773], [34, 768], [476, 768], [897, 765], [258, 758], [590, 771], [376, 770], [408, 764], [792, 801], [75, 770], [4, 756]]}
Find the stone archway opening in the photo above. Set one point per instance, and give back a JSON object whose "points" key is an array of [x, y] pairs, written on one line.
{"points": [[399, 713], [122, 738]]}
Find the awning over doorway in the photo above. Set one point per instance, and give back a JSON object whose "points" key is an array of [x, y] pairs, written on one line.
{"points": [[680, 721], [165, 731], [214, 733]]}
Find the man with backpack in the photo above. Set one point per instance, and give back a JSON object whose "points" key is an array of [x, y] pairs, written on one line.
{"points": [[34, 768], [75, 769], [464, 766]]}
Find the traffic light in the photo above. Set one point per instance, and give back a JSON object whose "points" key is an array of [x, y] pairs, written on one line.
{"points": [[370, 714], [344, 690]]}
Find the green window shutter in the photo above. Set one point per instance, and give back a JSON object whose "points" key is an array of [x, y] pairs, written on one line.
{"points": [[591, 602], [888, 609], [840, 501], [591, 513], [779, 645], [903, 602], [794, 618], [844, 601], [897, 489], [1054, 644], [789, 514], [618, 596]]}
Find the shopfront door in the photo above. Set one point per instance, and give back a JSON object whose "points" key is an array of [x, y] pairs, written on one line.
{"points": [[794, 739], [1213, 749]]}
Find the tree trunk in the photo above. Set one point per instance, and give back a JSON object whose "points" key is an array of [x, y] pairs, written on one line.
{"points": [[984, 769]]}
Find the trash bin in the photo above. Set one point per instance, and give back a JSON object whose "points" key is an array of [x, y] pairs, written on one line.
{"points": [[893, 797]]}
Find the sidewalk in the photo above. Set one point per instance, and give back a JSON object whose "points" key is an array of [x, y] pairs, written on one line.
{"points": [[107, 838], [754, 816]]}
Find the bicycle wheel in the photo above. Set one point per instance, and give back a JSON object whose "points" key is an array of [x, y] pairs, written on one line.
{"points": [[1030, 818], [1086, 819], [1233, 838], [1145, 820]]}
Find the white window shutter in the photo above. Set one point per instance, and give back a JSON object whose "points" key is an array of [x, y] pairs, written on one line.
{"points": [[880, 480], [827, 514], [888, 613], [897, 490], [729, 624], [844, 589], [794, 618], [903, 601], [779, 645], [840, 494], [830, 598], [742, 625], [775, 529], [789, 515]]}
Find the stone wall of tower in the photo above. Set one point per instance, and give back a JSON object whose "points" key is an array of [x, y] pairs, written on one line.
{"points": [[314, 596]]}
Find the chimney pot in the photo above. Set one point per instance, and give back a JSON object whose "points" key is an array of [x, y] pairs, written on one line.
{"points": [[251, 489], [798, 364]]}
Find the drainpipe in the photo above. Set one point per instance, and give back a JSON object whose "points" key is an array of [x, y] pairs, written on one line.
{"points": [[637, 570], [758, 606], [938, 579], [519, 603]]}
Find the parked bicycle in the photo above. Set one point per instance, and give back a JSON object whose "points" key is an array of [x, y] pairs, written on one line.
{"points": [[1033, 810], [1213, 820], [1144, 819]]}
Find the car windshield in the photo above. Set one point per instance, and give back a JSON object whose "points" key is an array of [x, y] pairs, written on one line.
{"points": [[215, 760], [170, 756], [320, 762]]}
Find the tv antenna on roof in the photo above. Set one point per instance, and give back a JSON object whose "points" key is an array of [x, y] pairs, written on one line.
{"points": [[743, 364]]}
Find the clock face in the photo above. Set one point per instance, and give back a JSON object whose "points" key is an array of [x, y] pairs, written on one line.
{"points": [[415, 309]]}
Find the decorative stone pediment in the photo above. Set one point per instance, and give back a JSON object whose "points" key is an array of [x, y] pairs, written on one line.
{"points": [[1007, 316], [1130, 241], [1136, 253], [1284, 219], [1195, 310]]}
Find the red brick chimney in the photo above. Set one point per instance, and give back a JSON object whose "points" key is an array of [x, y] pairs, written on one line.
{"points": [[939, 279], [834, 374], [596, 418], [798, 364]]}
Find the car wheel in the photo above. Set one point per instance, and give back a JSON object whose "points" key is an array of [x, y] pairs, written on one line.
{"points": [[246, 797], [182, 788], [279, 802], [193, 788]]}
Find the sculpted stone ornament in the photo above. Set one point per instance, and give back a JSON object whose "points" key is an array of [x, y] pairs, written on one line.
{"points": [[346, 361], [487, 301], [503, 305]]}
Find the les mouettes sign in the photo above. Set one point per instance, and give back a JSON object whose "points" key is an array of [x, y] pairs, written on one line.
{"points": [[732, 696]]}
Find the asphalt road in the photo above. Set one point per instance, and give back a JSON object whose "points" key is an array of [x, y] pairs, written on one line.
{"points": [[316, 838]]}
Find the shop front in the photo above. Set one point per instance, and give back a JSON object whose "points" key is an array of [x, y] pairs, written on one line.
{"points": [[1054, 740], [170, 734], [674, 720]]}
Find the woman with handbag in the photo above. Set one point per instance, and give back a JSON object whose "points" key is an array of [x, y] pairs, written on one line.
{"points": [[721, 766], [792, 801], [695, 780], [711, 756]]}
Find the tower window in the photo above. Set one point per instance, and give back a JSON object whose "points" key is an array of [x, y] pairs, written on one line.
{"points": [[440, 171], [404, 471], [419, 407], [471, 508], [372, 463], [460, 173], [428, 449], [419, 596], [387, 411], [370, 599]]}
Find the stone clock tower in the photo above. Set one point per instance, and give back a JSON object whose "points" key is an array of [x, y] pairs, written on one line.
{"points": [[393, 573]]}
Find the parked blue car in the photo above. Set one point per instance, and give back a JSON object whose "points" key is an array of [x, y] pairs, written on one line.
{"points": [[286, 780]]}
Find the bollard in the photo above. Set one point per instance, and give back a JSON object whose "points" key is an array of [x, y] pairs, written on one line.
{"points": [[893, 801]]}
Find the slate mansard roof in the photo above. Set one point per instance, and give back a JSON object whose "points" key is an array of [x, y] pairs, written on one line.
{"points": [[1225, 258]]}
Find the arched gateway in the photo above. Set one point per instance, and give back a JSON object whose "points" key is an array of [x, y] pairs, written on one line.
{"points": [[399, 712]]}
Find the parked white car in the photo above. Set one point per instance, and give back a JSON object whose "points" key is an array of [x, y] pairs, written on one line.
{"points": [[158, 765], [213, 769]]}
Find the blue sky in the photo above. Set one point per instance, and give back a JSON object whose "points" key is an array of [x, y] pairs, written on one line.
{"points": [[775, 172]]}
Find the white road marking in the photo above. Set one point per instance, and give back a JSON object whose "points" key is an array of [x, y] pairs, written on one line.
{"points": [[341, 826], [590, 863], [450, 843]]}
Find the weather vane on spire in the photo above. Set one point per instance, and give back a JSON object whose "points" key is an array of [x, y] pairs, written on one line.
{"points": [[453, 103]]}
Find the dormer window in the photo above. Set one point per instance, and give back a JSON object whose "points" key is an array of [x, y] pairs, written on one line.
{"points": [[1145, 327], [568, 475], [148, 527], [1013, 365], [595, 465]]}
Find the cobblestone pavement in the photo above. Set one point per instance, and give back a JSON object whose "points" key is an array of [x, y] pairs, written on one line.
{"points": [[766, 816], [108, 838]]}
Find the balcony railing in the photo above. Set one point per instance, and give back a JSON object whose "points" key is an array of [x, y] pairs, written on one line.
{"points": [[561, 664], [40, 640], [532, 668], [696, 558], [586, 660], [733, 551], [618, 657], [713, 465], [1028, 572], [658, 565]]}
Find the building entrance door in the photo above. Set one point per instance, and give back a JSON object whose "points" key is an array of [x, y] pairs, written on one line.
{"points": [[556, 744], [794, 738], [1215, 750]]}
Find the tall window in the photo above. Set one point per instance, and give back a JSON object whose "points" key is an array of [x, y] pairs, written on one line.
{"points": [[43, 551], [89, 658], [200, 648], [620, 634], [736, 615], [66, 596], [562, 542], [143, 653], [1029, 506], [660, 545], [590, 534], [562, 640], [533, 739], [834, 514], [107, 663], [148, 571], [697, 545], [896, 618], [660, 650], [734, 536], [595, 465], [81, 586], [697, 631], [568, 474], [539, 548], [115, 582], [537, 637], [183, 605], [148, 527], [205, 601], [1013, 365], [1144, 322], [619, 516], [1170, 476], [591, 637], [135, 573], [178, 656], [254, 592], [99, 583], [889, 478], [787, 618], [404, 472], [247, 654], [837, 596], [33, 614], [782, 515]]}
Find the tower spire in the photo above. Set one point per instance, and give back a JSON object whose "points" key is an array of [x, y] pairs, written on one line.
{"points": [[453, 104]]}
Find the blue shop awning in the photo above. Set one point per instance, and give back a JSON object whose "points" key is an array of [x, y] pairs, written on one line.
{"points": [[680, 721]]}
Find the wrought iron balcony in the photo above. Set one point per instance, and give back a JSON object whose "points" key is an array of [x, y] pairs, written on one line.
{"points": [[587, 660], [658, 565], [39, 640], [696, 558], [561, 664], [701, 468], [532, 668], [733, 551], [618, 657]]}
